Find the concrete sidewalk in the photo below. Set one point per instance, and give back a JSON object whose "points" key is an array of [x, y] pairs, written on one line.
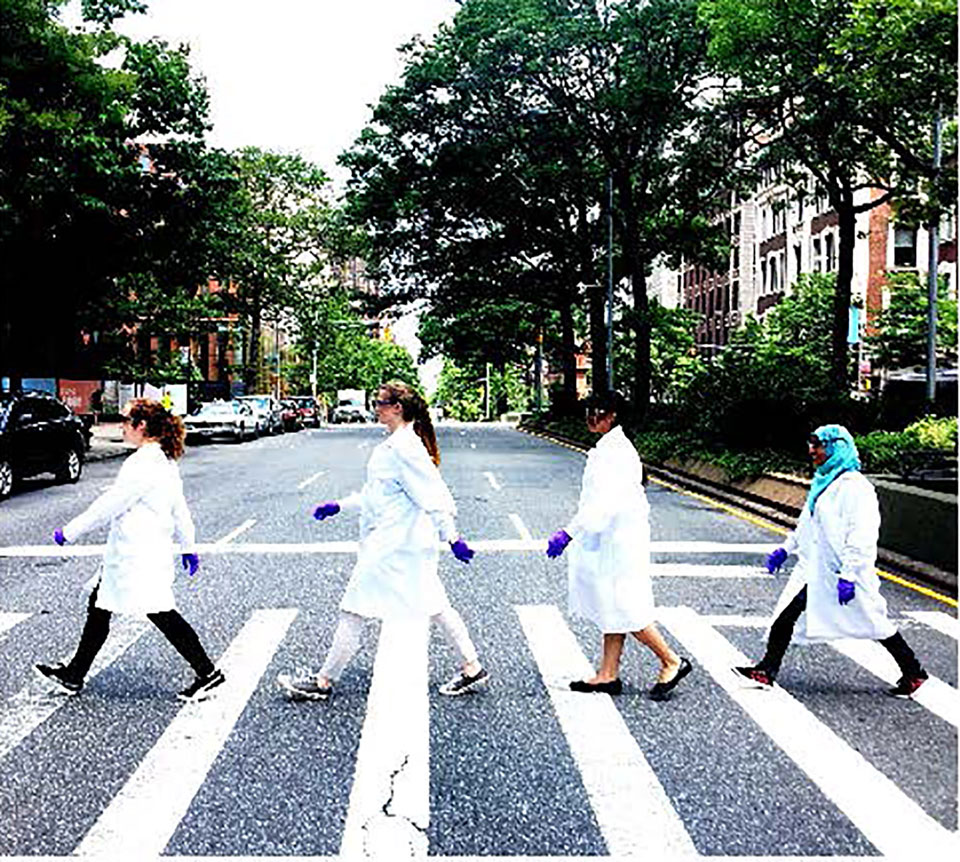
{"points": [[106, 442]]}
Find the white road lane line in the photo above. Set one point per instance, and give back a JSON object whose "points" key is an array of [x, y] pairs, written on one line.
{"points": [[632, 809], [493, 482], [935, 695], [35, 702], [692, 570], [888, 818], [8, 619], [310, 480], [389, 808], [143, 816], [521, 527], [246, 525], [943, 623]]}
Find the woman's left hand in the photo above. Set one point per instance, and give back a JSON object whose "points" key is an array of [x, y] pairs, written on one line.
{"points": [[191, 562], [462, 551]]}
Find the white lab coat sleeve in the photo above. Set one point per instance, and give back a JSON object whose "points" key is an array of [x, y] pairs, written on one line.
{"points": [[422, 482], [860, 518], [792, 543], [132, 483], [597, 509], [183, 529], [352, 501]]}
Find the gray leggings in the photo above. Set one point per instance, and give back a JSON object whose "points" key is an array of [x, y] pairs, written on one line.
{"points": [[346, 640]]}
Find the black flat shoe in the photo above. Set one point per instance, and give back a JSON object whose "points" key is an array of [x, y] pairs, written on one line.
{"points": [[612, 687], [661, 690]]}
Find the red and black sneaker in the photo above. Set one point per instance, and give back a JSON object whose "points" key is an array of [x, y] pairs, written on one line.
{"points": [[758, 677], [907, 685]]}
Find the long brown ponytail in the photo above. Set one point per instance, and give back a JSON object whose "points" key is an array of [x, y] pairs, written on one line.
{"points": [[159, 423], [415, 410]]}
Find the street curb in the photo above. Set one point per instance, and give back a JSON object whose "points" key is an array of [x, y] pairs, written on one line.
{"points": [[926, 574]]}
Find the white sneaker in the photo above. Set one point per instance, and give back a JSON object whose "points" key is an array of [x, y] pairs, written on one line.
{"points": [[303, 686], [462, 684]]}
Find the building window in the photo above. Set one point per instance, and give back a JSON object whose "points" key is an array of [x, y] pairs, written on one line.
{"points": [[830, 244], [817, 256], [763, 276], [735, 298], [905, 246], [798, 259], [773, 275]]}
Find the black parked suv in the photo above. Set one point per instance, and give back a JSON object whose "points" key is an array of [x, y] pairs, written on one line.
{"points": [[39, 434]]}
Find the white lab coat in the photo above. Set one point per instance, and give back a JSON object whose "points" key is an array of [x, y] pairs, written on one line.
{"points": [[839, 540], [404, 507], [149, 522], [609, 558]]}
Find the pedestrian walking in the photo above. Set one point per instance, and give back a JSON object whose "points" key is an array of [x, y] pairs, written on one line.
{"points": [[834, 587], [609, 560], [404, 506], [148, 518]]}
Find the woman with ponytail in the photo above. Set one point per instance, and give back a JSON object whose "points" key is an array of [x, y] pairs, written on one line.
{"points": [[148, 518], [404, 506]]}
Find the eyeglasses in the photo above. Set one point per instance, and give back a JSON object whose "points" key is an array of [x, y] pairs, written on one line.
{"points": [[385, 402]]}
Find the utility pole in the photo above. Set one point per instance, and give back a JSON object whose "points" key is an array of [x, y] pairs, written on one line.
{"points": [[486, 390], [610, 281], [538, 371], [933, 230]]}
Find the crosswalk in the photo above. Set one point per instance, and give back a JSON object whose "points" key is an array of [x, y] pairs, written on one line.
{"points": [[388, 812]]}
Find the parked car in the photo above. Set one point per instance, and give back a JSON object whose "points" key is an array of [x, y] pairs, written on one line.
{"points": [[232, 419], [291, 416], [39, 434], [267, 410], [350, 412], [309, 410]]}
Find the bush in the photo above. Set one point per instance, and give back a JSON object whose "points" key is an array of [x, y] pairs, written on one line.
{"points": [[901, 451]]}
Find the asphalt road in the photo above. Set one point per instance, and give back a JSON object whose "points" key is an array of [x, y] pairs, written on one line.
{"points": [[827, 766]]}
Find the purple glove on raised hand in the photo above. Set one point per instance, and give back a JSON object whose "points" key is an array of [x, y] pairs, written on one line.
{"points": [[58, 537], [557, 542], [462, 551], [845, 591], [326, 510], [191, 562], [776, 559]]}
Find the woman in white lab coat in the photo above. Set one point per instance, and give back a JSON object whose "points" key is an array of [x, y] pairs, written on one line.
{"points": [[405, 507], [609, 559], [148, 519], [835, 581]]}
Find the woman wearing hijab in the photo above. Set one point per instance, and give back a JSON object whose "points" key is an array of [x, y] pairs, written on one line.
{"points": [[148, 518], [404, 507], [835, 580], [609, 569]]}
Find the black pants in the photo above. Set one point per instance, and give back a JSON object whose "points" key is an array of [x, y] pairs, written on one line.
{"points": [[782, 630], [173, 626]]}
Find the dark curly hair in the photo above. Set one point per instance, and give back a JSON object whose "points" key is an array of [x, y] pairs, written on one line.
{"points": [[160, 424]]}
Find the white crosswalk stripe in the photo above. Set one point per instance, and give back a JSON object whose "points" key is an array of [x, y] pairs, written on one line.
{"points": [[8, 619], [34, 703], [632, 809], [140, 820], [886, 816], [943, 623]]}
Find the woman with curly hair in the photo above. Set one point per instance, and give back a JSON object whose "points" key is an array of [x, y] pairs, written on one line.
{"points": [[148, 517], [404, 507]]}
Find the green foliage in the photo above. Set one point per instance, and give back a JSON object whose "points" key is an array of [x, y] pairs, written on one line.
{"points": [[933, 433], [459, 394], [901, 340]]}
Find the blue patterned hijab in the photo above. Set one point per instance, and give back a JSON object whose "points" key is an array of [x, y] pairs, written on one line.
{"points": [[842, 456]]}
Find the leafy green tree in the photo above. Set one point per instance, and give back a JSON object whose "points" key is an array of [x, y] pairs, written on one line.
{"points": [[459, 393], [901, 337]]}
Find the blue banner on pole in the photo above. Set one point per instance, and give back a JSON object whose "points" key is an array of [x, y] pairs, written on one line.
{"points": [[853, 331]]}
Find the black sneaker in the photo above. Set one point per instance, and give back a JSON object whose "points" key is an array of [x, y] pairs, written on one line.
{"points": [[203, 686], [907, 685], [58, 674], [303, 686], [755, 675], [461, 684]]}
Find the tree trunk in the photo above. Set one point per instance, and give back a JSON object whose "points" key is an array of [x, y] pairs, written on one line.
{"points": [[251, 372], [840, 352], [596, 299], [568, 401]]}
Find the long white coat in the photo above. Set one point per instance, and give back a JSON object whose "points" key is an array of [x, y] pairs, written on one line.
{"points": [[149, 522], [404, 507], [609, 559], [839, 540]]}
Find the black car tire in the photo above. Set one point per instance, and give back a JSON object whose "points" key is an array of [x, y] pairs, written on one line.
{"points": [[6, 478], [70, 468]]}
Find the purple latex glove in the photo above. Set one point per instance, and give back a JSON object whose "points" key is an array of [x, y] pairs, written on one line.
{"points": [[462, 551], [326, 510], [557, 542], [58, 537], [191, 562], [845, 591], [776, 560]]}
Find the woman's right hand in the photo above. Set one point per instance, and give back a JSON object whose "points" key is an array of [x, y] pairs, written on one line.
{"points": [[326, 510]]}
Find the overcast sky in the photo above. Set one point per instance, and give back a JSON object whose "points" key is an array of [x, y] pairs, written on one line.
{"points": [[292, 75]]}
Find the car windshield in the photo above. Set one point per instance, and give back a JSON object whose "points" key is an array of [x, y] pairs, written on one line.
{"points": [[215, 409], [262, 403]]}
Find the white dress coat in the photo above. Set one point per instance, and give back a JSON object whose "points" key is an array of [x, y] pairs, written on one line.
{"points": [[609, 558], [839, 540], [405, 506], [149, 522]]}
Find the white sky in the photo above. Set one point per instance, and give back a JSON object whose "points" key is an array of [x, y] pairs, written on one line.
{"points": [[292, 75]]}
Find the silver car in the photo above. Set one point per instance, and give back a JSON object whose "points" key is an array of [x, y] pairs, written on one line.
{"points": [[221, 419], [268, 412]]}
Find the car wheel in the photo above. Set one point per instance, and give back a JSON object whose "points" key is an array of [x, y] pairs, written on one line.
{"points": [[6, 479], [70, 468]]}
